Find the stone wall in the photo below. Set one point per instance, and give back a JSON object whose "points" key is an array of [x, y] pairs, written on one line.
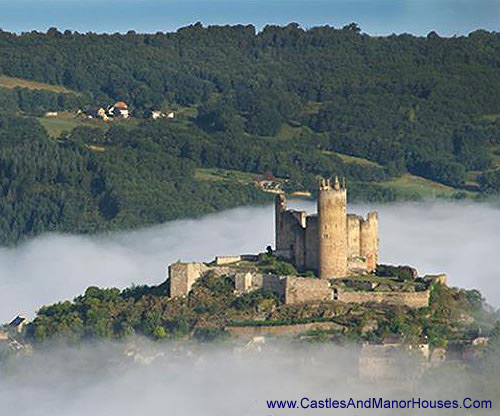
{"points": [[438, 278], [413, 300], [353, 235], [275, 284], [223, 260], [369, 240], [248, 282], [312, 242], [182, 277], [301, 289], [357, 265], [253, 331], [290, 232]]}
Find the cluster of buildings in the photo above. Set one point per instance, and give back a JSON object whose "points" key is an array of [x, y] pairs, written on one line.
{"points": [[120, 110]]}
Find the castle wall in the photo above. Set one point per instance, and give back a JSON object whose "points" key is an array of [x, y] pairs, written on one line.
{"points": [[369, 240], [299, 252], [290, 232], [301, 290], [357, 264], [312, 243], [412, 300], [275, 284], [248, 282], [183, 276], [254, 331], [332, 219], [279, 210], [223, 260], [353, 235], [438, 278]]}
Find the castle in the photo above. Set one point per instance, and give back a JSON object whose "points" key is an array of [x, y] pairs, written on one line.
{"points": [[340, 248], [332, 243]]}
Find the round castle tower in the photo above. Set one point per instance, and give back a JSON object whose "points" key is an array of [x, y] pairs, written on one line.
{"points": [[332, 221]]}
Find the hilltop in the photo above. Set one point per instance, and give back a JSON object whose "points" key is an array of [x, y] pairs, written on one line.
{"points": [[401, 117], [214, 310]]}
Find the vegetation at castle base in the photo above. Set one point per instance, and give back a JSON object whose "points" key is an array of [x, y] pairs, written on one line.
{"points": [[454, 315], [385, 112], [212, 306], [267, 263]]}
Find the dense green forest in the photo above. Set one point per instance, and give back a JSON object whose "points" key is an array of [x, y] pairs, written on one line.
{"points": [[286, 101]]}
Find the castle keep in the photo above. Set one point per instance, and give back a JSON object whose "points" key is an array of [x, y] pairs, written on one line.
{"points": [[332, 243]]}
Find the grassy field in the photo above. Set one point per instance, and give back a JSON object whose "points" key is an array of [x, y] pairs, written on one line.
{"points": [[287, 132], [357, 160], [67, 121], [312, 107], [183, 113], [10, 82], [56, 126], [220, 175], [491, 117], [407, 186]]}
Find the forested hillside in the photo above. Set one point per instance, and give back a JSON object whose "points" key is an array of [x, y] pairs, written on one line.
{"points": [[285, 101]]}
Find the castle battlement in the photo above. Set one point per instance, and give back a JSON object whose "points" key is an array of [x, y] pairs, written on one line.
{"points": [[332, 243]]}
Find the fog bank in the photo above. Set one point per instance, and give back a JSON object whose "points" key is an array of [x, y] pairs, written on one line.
{"points": [[461, 239], [199, 380]]}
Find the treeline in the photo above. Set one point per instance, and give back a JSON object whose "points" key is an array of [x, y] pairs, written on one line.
{"points": [[283, 101], [410, 103]]}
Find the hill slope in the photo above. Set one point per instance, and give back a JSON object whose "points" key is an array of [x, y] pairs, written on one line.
{"points": [[400, 117]]}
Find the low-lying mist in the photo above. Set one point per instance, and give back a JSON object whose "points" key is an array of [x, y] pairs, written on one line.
{"points": [[169, 379], [461, 239]]}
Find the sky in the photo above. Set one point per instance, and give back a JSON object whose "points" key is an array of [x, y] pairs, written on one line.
{"points": [[376, 17], [460, 239]]}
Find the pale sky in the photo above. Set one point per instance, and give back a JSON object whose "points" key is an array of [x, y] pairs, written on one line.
{"points": [[376, 17]]}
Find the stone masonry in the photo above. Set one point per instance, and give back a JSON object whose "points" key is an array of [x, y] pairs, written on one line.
{"points": [[332, 243]]}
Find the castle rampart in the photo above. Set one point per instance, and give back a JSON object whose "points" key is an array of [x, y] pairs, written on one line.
{"points": [[183, 276], [295, 329], [223, 260], [303, 290], [292, 289], [412, 300]]}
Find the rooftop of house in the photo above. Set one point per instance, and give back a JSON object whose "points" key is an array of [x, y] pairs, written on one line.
{"points": [[18, 320], [121, 105]]}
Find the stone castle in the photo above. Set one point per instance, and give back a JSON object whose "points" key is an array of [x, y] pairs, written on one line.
{"points": [[341, 249], [332, 243]]}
